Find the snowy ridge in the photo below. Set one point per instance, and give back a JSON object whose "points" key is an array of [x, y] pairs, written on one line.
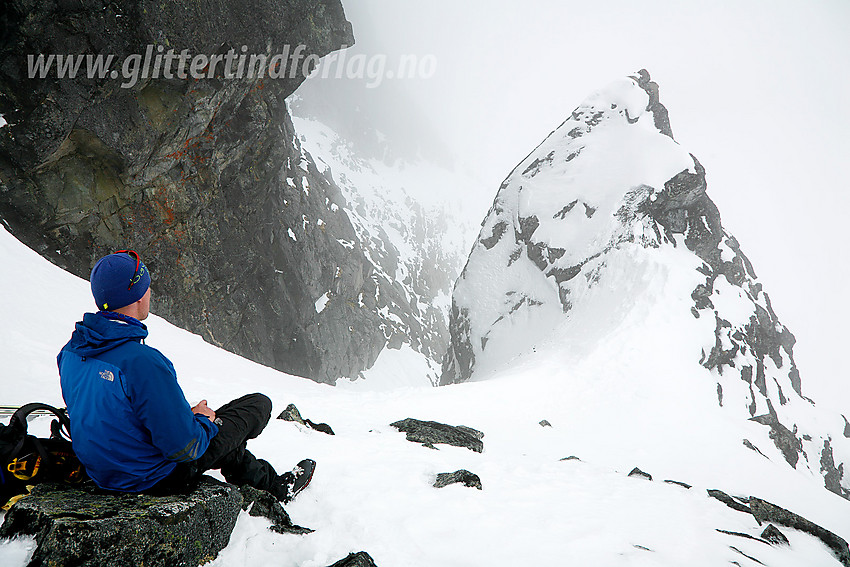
{"points": [[578, 242], [415, 240]]}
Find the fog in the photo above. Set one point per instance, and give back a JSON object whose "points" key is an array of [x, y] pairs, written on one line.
{"points": [[757, 90]]}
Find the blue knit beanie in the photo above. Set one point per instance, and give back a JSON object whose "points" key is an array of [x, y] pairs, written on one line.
{"points": [[116, 283]]}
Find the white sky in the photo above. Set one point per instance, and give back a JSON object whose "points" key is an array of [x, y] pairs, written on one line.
{"points": [[757, 90]]}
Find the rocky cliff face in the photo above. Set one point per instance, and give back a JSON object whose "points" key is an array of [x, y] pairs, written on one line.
{"points": [[567, 221], [205, 178], [413, 229]]}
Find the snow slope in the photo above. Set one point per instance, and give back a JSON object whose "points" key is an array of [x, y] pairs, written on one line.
{"points": [[613, 407]]}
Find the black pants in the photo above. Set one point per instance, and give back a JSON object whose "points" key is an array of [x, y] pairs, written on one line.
{"points": [[242, 419]]}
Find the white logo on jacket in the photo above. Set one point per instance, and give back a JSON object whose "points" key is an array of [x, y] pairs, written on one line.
{"points": [[107, 375]]}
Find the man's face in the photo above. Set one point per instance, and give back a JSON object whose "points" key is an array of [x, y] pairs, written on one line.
{"points": [[145, 305]]}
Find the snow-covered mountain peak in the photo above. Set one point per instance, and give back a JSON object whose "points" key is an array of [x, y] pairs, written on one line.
{"points": [[580, 193], [605, 234], [581, 190]]}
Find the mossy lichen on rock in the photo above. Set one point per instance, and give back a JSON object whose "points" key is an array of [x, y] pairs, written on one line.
{"points": [[89, 527]]}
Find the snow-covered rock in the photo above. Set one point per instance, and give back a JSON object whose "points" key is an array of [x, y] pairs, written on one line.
{"points": [[584, 233]]}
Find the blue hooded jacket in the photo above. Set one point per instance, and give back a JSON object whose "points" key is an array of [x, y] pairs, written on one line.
{"points": [[130, 422]]}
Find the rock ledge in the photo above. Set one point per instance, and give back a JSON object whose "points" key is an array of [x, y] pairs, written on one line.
{"points": [[89, 527]]}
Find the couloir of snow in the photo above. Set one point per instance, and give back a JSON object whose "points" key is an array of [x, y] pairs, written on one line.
{"points": [[626, 395], [412, 218]]}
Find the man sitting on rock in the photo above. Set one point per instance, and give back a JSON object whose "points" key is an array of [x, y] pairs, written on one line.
{"points": [[131, 425]]}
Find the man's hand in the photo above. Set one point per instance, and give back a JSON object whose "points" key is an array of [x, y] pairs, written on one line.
{"points": [[202, 409]]}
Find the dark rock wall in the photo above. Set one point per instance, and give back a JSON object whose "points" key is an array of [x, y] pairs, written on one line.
{"points": [[205, 178], [410, 271]]}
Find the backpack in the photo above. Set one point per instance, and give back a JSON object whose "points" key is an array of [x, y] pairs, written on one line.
{"points": [[27, 460]]}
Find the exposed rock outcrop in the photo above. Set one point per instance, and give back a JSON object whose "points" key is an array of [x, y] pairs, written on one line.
{"points": [[87, 527], [261, 503], [637, 473], [772, 534], [430, 433], [684, 485], [461, 476], [291, 413], [204, 177], [765, 512], [359, 559]]}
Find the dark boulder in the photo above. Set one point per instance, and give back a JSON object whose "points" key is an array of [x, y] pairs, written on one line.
{"points": [[291, 413], [359, 559], [636, 472], [431, 432], [469, 479], [261, 503], [772, 534], [75, 526]]}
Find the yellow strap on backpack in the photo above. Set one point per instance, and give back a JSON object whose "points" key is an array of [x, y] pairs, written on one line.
{"points": [[19, 465], [14, 499]]}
